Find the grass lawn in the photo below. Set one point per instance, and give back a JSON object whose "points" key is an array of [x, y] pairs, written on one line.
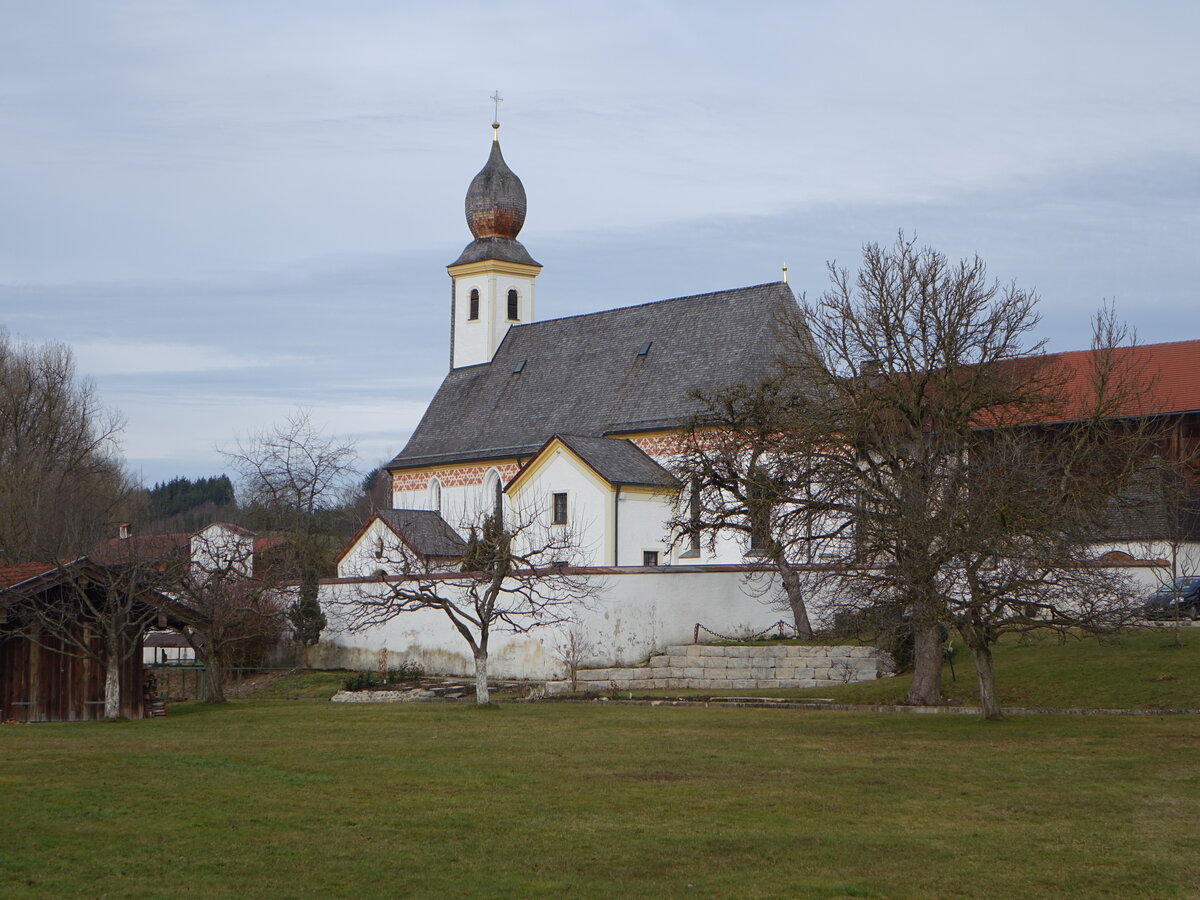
{"points": [[287, 799], [1143, 669]]}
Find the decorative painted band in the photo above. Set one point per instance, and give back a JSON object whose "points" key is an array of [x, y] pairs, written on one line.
{"points": [[450, 476]]}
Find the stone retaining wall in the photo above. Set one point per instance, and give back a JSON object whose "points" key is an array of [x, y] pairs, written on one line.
{"points": [[710, 667]]}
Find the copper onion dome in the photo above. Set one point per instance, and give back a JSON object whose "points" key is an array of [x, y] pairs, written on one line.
{"points": [[495, 212], [495, 200]]}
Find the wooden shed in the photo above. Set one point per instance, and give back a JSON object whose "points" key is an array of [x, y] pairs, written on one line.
{"points": [[46, 679]]}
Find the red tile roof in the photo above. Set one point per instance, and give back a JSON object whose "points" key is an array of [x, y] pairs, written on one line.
{"points": [[1169, 374], [11, 576], [1148, 380], [140, 548]]}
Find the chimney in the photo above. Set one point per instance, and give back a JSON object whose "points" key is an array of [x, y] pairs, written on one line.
{"points": [[868, 368], [124, 530]]}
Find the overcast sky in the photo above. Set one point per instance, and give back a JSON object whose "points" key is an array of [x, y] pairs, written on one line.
{"points": [[230, 209]]}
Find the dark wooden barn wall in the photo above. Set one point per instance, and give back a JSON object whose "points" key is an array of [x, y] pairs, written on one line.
{"points": [[38, 684]]}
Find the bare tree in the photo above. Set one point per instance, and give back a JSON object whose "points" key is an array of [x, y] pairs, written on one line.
{"points": [[573, 651], [744, 479], [903, 443], [1044, 481], [230, 606], [61, 481], [292, 475], [515, 577]]}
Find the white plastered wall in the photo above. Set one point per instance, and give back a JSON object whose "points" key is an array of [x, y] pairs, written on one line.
{"points": [[634, 615], [462, 505], [589, 504], [362, 560], [217, 549], [475, 341], [642, 525]]}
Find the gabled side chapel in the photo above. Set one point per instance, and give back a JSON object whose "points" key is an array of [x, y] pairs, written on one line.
{"points": [[575, 417]]}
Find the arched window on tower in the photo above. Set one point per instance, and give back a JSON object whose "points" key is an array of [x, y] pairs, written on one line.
{"points": [[513, 309], [473, 311], [435, 494]]}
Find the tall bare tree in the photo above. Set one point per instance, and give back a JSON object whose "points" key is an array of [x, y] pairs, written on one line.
{"points": [[912, 400], [229, 603], [61, 479], [743, 479], [515, 577], [291, 475]]}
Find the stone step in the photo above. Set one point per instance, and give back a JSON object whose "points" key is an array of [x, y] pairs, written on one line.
{"points": [[712, 667]]}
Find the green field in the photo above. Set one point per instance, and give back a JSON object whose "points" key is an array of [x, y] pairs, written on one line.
{"points": [[1145, 669], [287, 799]]}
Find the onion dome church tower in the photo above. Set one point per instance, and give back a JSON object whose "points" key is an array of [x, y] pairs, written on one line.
{"points": [[493, 276]]}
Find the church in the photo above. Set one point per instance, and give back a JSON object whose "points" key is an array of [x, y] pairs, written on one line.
{"points": [[575, 418], [577, 421]]}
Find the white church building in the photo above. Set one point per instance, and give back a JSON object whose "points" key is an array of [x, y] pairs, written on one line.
{"points": [[576, 420]]}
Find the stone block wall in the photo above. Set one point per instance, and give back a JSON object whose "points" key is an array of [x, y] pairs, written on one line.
{"points": [[712, 667]]}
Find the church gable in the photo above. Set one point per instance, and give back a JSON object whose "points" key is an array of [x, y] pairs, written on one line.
{"points": [[613, 462]]}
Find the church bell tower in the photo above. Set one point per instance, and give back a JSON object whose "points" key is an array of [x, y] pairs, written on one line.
{"points": [[493, 277]]}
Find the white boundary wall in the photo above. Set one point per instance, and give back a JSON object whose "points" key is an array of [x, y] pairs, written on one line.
{"points": [[635, 613]]}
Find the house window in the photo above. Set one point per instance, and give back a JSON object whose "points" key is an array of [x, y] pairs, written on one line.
{"points": [[512, 305], [560, 509], [473, 311], [649, 557]]}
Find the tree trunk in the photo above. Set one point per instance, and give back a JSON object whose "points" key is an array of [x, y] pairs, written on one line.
{"points": [[926, 689], [481, 678], [795, 598], [982, 653], [112, 683], [214, 680]]}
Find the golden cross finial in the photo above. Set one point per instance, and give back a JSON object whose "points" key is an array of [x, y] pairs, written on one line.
{"points": [[496, 101]]}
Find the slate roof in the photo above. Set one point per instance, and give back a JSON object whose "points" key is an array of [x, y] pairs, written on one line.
{"points": [[425, 531], [618, 461], [582, 375], [500, 248]]}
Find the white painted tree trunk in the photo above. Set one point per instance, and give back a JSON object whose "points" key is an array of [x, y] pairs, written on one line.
{"points": [[112, 686], [481, 678]]}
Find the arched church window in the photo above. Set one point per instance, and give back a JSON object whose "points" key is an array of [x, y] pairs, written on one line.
{"points": [[512, 305], [435, 494], [493, 491], [473, 311]]}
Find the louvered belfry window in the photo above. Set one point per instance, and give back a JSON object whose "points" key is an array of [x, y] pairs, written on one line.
{"points": [[512, 306], [473, 311]]}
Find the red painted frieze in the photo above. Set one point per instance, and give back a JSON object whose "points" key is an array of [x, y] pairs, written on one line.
{"points": [[456, 476]]}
